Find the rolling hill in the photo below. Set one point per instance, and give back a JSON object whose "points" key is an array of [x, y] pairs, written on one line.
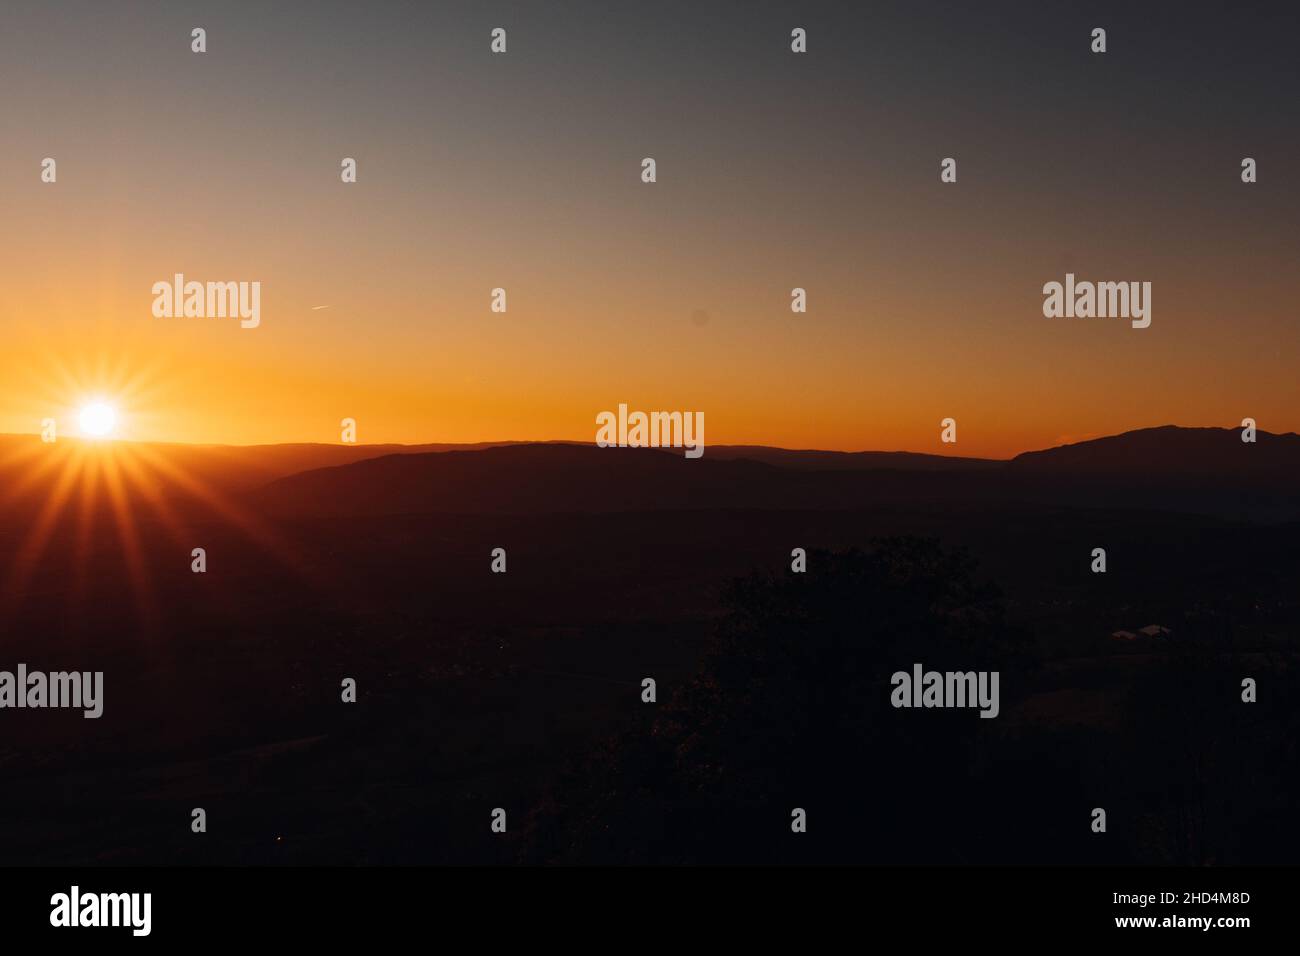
{"points": [[1206, 471]]}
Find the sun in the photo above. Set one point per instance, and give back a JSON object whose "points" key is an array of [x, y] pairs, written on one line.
{"points": [[98, 419]]}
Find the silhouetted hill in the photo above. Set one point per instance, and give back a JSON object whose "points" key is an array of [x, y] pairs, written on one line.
{"points": [[1172, 469], [1188, 454], [485, 687], [530, 479], [813, 460], [221, 466], [78, 473], [1193, 470]]}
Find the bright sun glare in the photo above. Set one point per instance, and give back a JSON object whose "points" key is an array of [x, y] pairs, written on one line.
{"points": [[98, 419]]}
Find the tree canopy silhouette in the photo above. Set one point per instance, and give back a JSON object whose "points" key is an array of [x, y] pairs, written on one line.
{"points": [[792, 709]]}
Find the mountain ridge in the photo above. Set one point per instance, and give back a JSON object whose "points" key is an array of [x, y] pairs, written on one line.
{"points": [[1181, 469]]}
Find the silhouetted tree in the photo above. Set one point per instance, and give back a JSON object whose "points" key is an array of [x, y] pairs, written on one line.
{"points": [[792, 709]]}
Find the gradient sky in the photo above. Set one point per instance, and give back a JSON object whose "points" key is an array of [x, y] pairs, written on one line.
{"points": [[775, 170]]}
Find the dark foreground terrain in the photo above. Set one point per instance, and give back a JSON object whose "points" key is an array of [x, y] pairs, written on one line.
{"points": [[523, 690]]}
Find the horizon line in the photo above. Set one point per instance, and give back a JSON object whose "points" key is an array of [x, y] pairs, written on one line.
{"points": [[566, 441]]}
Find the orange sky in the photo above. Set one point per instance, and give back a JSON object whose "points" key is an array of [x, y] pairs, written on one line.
{"points": [[521, 172]]}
